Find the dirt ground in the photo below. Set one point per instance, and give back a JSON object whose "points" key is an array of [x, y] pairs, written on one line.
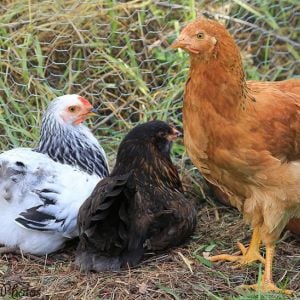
{"points": [[180, 273]]}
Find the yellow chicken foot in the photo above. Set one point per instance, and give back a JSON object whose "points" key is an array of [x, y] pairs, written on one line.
{"points": [[248, 255], [267, 285]]}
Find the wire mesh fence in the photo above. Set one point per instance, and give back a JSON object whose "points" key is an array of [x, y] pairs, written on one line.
{"points": [[115, 53]]}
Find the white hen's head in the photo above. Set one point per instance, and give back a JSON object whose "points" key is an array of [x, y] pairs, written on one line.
{"points": [[70, 109], [66, 140]]}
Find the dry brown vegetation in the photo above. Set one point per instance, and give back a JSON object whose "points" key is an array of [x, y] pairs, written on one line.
{"points": [[181, 273]]}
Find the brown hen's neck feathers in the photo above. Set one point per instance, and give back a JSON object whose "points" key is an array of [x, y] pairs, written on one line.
{"points": [[219, 78]]}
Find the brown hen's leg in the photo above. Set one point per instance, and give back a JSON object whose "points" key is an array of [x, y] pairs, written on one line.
{"points": [[267, 285], [248, 255]]}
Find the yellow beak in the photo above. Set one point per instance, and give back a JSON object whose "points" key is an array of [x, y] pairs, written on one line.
{"points": [[176, 44], [92, 112]]}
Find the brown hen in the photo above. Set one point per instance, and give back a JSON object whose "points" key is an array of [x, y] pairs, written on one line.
{"points": [[244, 137]]}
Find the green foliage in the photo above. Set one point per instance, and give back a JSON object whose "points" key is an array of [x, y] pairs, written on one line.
{"points": [[115, 54]]}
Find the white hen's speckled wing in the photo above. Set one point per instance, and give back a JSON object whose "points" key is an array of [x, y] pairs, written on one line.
{"points": [[40, 194]]}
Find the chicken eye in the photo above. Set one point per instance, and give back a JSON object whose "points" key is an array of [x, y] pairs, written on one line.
{"points": [[161, 134], [200, 35], [72, 109]]}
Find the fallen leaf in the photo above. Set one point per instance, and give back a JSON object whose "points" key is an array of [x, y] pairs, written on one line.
{"points": [[186, 261], [143, 288]]}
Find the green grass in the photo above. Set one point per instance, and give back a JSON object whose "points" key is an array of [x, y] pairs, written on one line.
{"points": [[116, 54], [55, 52]]}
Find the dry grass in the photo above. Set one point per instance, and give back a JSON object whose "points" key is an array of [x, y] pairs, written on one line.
{"points": [[181, 273], [116, 54]]}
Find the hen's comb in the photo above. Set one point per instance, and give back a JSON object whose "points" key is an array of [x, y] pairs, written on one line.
{"points": [[84, 101]]}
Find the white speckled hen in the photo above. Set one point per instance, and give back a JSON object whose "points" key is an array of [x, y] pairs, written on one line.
{"points": [[140, 206], [42, 189]]}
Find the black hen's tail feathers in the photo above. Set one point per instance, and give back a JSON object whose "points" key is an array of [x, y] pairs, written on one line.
{"points": [[103, 225]]}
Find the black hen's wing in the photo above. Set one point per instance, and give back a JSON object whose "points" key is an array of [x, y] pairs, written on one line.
{"points": [[104, 221], [173, 223]]}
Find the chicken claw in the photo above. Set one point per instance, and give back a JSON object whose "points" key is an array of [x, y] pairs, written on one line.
{"points": [[266, 287], [247, 258], [249, 255]]}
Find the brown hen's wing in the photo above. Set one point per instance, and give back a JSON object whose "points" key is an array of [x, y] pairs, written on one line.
{"points": [[275, 122], [103, 223], [289, 85]]}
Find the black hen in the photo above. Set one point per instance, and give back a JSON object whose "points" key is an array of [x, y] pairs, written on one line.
{"points": [[140, 206]]}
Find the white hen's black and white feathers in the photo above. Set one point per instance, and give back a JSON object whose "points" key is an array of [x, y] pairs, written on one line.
{"points": [[42, 189], [72, 145]]}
